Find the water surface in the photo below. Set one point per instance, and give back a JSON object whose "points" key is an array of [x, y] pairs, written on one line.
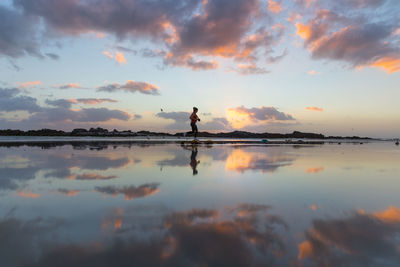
{"points": [[172, 205]]}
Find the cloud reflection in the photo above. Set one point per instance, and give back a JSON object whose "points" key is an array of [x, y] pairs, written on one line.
{"points": [[359, 239], [130, 192], [241, 160], [193, 237]]}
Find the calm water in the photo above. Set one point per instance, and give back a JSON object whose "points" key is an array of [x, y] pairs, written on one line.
{"points": [[232, 205]]}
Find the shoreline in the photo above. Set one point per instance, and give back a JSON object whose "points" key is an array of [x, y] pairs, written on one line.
{"points": [[102, 142]]}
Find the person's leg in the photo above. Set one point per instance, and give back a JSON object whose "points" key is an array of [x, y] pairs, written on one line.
{"points": [[193, 125], [195, 131]]}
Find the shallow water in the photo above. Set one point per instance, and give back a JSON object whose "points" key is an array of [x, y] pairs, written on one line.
{"points": [[232, 205]]}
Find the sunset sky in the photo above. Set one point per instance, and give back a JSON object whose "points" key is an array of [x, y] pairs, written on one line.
{"points": [[323, 66]]}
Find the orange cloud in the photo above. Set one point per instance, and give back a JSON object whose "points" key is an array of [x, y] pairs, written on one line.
{"points": [[274, 7], [391, 215], [315, 170], [241, 161], [304, 31], [119, 57], [314, 109], [73, 85], [390, 64], [108, 54], [313, 72], [117, 223], [28, 194], [30, 84], [240, 117], [305, 250]]}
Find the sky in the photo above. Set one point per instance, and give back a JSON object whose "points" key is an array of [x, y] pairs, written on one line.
{"points": [[330, 67]]}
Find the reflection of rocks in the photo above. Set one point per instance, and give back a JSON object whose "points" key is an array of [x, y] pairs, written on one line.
{"points": [[361, 239], [242, 160], [197, 237], [130, 192]]}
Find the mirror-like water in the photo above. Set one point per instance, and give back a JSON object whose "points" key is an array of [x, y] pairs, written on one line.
{"points": [[232, 205]]}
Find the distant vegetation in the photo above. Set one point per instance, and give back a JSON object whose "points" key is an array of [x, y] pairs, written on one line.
{"points": [[115, 133]]}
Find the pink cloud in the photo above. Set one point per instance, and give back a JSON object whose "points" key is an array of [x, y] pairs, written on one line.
{"points": [[30, 84], [275, 7]]}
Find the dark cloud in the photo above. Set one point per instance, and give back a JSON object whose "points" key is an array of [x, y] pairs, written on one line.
{"points": [[176, 116], [11, 101], [69, 85], [357, 41], [53, 56], [137, 116], [132, 87], [181, 121], [180, 118], [59, 113], [93, 101], [61, 103], [130, 192], [262, 114], [17, 34], [221, 124], [146, 52], [51, 115], [94, 176], [189, 31], [361, 3]]}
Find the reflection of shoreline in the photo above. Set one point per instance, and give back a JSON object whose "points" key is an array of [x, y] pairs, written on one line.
{"points": [[103, 144]]}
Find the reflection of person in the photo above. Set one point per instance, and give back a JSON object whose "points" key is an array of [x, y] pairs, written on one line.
{"points": [[194, 161], [193, 119]]}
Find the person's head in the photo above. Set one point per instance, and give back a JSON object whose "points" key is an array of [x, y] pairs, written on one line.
{"points": [[195, 109]]}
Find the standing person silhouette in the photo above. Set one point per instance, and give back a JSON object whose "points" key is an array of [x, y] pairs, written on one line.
{"points": [[193, 119]]}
